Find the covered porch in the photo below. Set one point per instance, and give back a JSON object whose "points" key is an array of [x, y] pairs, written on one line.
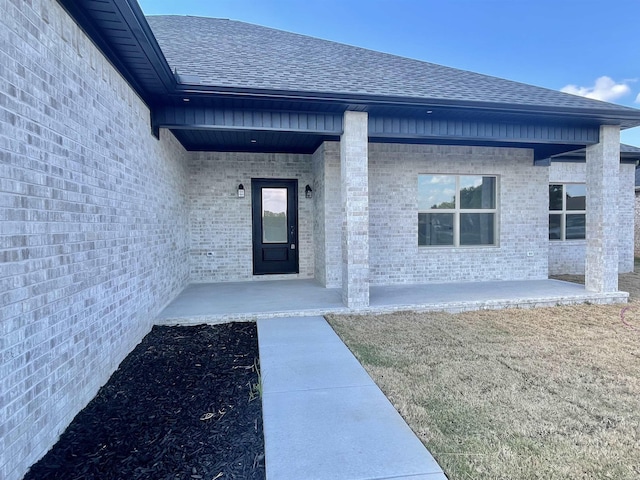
{"points": [[237, 301]]}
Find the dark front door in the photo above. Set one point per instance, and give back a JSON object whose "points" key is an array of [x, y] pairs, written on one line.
{"points": [[275, 226]]}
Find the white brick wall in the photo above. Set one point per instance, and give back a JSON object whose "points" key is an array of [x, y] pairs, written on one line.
{"points": [[327, 215], [220, 222], [319, 228], [603, 192], [354, 190], [637, 224], [93, 238], [395, 256], [626, 217], [568, 257]]}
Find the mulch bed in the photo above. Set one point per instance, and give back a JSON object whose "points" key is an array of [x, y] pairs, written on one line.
{"points": [[183, 405]]}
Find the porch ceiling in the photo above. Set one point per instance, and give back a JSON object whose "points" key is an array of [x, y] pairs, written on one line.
{"points": [[251, 125], [249, 141], [202, 140]]}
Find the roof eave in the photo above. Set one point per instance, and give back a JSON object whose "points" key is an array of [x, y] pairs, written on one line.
{"points": [[623, 117], [130, 20]]}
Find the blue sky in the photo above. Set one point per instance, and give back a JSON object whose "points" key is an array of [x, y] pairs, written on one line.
{"points": [[588, 47]]}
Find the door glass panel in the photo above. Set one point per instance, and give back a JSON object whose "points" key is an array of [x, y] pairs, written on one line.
{"points": [[274, 215]]}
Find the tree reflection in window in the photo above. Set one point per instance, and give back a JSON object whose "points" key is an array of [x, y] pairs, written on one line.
{"points": [[567, 211], [456, 210]]}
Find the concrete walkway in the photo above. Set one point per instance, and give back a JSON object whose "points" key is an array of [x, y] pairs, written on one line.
{"points": [[324, 418]]}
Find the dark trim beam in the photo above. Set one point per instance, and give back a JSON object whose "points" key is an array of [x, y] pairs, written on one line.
{"points": [[210, 118], [460, 129], [119, 29], [380, 127]]}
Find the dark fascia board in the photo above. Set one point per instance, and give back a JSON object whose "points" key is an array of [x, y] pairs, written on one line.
{"points": [[626, 118], [76, 12], [137, 25], [209, 118], [135, 19]]}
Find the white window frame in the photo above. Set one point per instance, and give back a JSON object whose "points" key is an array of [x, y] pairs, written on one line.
{"points": [[563, 214], [458, 210]]}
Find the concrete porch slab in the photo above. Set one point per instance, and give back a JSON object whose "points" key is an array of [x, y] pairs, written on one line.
{"points": [[459, 297], [237, 301], [324, 421]]}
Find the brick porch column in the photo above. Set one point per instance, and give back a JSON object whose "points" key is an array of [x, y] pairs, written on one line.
{"points": [[603, 166], [354, 172]]}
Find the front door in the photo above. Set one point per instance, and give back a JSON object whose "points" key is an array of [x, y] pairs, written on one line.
{"points": [[275, 226]]}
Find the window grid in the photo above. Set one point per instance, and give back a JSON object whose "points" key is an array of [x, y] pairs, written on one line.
{"points": [[458, 210], [562, 214]]}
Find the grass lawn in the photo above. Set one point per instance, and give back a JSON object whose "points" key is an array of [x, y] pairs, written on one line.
{"points": [[551, 393]]}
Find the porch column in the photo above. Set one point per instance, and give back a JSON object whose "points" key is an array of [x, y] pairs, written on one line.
{"points": [[603, 166], [354, 173]]}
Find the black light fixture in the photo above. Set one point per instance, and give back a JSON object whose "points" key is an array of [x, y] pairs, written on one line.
{"points": [[240, 191], [308, 192]]}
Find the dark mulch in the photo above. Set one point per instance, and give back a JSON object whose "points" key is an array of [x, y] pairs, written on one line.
{"points": [[179, 407]]}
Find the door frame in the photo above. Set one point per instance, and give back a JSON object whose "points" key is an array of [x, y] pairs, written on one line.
{"points": [[292, 265]]}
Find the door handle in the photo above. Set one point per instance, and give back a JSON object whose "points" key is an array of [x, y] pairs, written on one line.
{"points": [[292, 238]]}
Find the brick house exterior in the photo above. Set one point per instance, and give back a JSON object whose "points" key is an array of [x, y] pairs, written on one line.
{"points": [[119, 182], [637, 214]]}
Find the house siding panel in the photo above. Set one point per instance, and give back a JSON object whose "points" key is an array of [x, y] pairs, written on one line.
{"points": [[220, 222], [93, 239]]}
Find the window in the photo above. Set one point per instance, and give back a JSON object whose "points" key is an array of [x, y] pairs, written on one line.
{"points": [[567, 204], [456, 210]]}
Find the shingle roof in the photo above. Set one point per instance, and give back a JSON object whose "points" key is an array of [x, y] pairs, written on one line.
{"points": [[624, 148], [627, 151], [227, 53]]}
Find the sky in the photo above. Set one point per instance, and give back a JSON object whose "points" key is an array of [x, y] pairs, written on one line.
{"points": [[585, 47]]}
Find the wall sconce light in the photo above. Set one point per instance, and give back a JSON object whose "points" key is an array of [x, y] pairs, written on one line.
{"points": [[240, 191], [308, 192]]}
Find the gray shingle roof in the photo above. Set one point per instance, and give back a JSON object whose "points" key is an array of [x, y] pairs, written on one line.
{"points": [[629, 152], [227, 53], [624, 148]]}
